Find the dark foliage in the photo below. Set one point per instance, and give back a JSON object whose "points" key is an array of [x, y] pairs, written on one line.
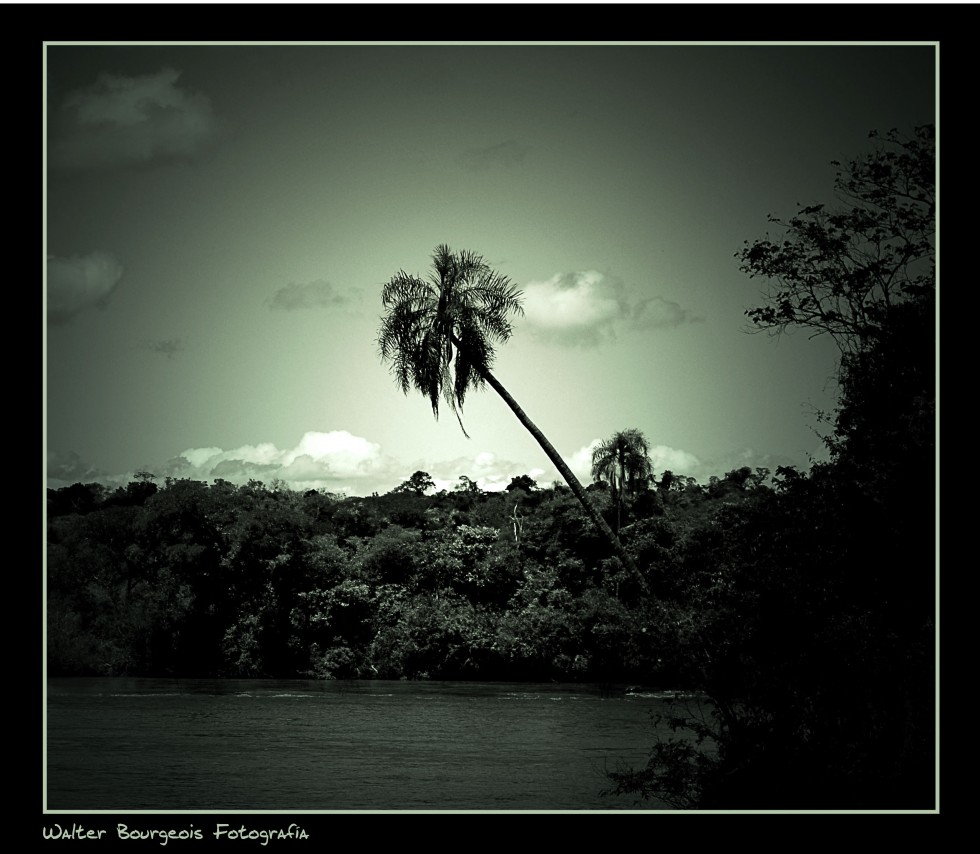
{"points": [[806, 614]]}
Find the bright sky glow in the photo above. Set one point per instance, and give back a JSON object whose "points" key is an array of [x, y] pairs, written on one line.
{"points": [[221, 220]]}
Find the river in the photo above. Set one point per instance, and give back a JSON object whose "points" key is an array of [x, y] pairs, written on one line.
{"points": [[303, 745]]}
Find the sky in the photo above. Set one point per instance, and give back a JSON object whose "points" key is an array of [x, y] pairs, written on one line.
{"points": [[220, 221]]}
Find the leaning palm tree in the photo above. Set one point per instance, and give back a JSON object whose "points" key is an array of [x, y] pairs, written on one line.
{"points": [[438, 337], [623, 460]]}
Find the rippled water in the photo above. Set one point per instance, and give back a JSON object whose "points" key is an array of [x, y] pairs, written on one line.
{"points": [[144, 744]]}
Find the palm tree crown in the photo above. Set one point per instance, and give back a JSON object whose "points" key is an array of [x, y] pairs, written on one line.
{"points": [[439, 334], [624, 461]]}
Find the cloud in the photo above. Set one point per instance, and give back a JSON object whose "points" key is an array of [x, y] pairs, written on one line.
{"points": [[487, 470], [66, 469], [337, 461], [316, 294], [340, 462], [493, 474], [662, 458], [169, 347], [506, 154], [79, 283], [581, 461], [586, 308], [121, 121], [660, 313], [345, 454]]}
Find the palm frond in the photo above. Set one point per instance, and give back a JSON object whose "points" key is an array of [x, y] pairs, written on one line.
{"points": [[622, 459], [438, 335]]}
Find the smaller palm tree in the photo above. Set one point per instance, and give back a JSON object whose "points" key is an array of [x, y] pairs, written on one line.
{"points": [[623, 460]]}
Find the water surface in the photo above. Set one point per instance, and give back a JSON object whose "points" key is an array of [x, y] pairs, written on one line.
{"points": [[227, 745]]}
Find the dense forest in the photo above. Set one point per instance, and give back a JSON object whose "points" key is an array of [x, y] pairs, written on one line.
{"points": [[800, 603], [218, 580]]}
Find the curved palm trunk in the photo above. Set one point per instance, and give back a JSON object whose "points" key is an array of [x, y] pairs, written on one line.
{"points": [[618, 489], [563, 470], [619, 506]]}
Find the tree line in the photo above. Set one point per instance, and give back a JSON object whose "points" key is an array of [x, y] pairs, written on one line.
{"points": [[191, 579]]}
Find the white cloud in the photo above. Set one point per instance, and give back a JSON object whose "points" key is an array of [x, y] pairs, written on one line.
{"points": [[581, 461], [663, 458], [197, 457], [587, 307], [136, 120], [337, 461], [341, 462], [263, 454], [572, 307], [80, 282], [485, 460], [345, 454], [493, 474], [486, 469]]}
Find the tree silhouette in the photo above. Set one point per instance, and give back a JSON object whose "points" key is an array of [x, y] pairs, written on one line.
{"points": [[624, 461], [814, 602], [417, 484], [438, 337], [844, 271], [523, 481]]}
